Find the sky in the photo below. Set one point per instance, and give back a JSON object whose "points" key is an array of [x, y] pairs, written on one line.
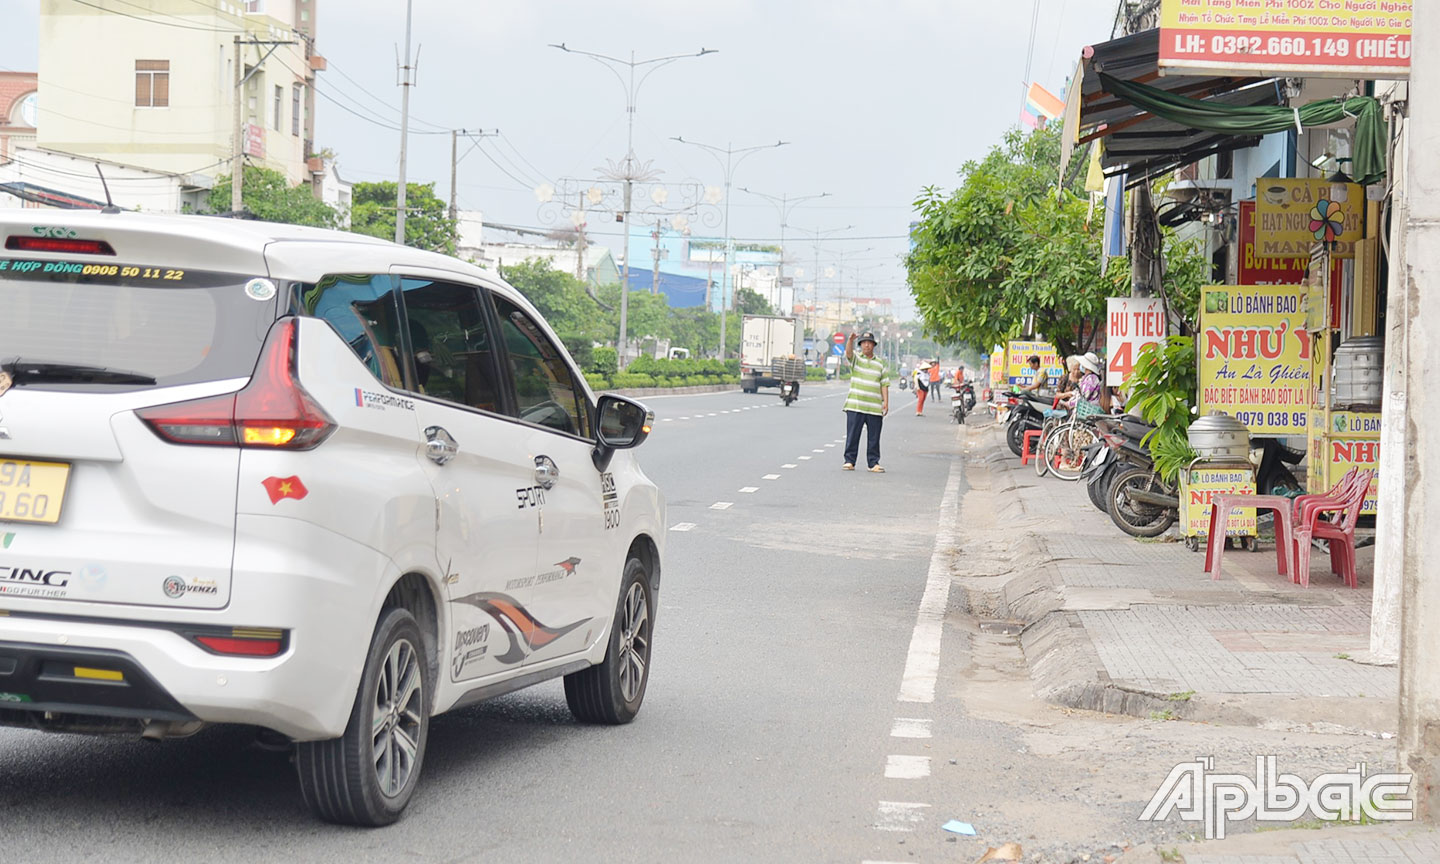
{"points": [[877, 99]]}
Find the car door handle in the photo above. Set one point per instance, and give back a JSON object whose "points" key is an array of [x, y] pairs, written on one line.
{"points": [[546, 472], [440, 446]]}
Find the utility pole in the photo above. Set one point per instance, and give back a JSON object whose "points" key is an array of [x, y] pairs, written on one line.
{"points": [[454, 163], [580, 241], [815, 234], [237, 148], [237, 163], [1420, 591], [629, 170], [729, 165], [655, 254], [405, 85]]}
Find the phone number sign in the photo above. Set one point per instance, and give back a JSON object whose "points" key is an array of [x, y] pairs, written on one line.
{"points": [[1320, 38]]}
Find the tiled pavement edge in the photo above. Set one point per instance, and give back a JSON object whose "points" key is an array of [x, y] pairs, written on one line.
{"points": [[1129, 626], [1395, 843]]}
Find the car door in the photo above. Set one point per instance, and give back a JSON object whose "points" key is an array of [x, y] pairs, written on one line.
{"points": [[577, 568], [487, 508]]}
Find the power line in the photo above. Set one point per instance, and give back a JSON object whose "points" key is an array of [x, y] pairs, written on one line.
{"points": [[154, 20], [524, 185], [507, 140], [333, 66]]}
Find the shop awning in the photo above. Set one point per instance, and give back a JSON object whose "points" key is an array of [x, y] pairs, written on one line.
{"points": [[1136, 141]]}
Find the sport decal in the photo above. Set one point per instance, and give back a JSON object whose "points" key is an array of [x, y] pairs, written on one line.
{"points": [[284, 487], [526, 634]]}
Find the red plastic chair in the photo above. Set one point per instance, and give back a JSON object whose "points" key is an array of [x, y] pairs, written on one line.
{"points": [[1026, 454], [1220, 508], [1341, 531], [1307, 506]]}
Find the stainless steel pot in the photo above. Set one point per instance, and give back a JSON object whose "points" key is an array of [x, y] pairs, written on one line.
{"points": [[1218, 436], [1359, 373]]}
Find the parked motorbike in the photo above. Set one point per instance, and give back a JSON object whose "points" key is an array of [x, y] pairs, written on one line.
{"points": [[1119, 447], [958, 408], [1028, 413], [1121, 476], [967, 392], [1272, 477]]}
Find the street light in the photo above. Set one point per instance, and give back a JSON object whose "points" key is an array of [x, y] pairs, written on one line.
{"points": [[815, 234], [728, 165], [785, 204], [628, 170]]}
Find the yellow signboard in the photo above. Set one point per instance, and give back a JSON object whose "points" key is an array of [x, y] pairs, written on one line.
{"points": [[1255, 356], [1293, 215], [1018, 353], [997, 369], [1309, 38], [1200, 485], [1352, 440]]}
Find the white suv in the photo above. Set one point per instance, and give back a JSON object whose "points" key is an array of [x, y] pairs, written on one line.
{"points": [[305, 480]]}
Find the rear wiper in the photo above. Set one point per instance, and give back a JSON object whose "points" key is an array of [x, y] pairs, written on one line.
{"points": [[22, 372]]}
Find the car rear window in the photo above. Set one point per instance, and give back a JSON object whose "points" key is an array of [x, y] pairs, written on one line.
{"points": [[175, 326]]}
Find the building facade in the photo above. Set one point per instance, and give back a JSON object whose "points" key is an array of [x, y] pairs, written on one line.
{"points": [[19, 104], [152, 85]]}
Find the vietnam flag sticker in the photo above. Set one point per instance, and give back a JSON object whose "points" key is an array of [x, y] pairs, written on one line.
{"points": [[284, 487]]}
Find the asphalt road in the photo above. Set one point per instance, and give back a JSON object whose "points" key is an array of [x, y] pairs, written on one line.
{"points": [[786, 613]]}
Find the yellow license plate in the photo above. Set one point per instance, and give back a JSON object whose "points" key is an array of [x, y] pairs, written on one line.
{"points": [[32, 491]]}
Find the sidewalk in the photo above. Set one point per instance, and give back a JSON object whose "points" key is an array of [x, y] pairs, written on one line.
{"points": [[1120, 625]]}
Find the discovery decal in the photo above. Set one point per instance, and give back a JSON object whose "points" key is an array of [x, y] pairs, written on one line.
{"points": [[525, 632]]}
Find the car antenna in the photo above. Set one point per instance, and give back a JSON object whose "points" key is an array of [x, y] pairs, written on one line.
{"points": [[109, 204]]}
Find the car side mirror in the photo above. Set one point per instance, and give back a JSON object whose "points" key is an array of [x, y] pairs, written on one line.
{"points": [[623, 423]]}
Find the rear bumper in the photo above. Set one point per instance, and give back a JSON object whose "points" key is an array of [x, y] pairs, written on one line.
{"points": [[323, 589], [61, 680]]}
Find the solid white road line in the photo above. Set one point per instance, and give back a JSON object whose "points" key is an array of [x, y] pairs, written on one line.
{"points": [[682, 526], [749, 488], [899, 815], [900, 767], [771, 477], [910, 727], [922, 663], [722, 505]]}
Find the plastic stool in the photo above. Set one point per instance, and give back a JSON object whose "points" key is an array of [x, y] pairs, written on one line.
{"points": [[1026, 454]]}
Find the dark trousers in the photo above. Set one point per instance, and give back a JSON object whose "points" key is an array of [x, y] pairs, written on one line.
{"points": [[854, 422]]}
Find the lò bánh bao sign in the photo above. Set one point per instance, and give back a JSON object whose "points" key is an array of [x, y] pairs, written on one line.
{"points": [[1294, 215], [1255, 356]]}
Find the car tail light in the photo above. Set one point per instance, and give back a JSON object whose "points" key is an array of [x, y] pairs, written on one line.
{"points": [[58, 244], [243, 642], [272, 411]]}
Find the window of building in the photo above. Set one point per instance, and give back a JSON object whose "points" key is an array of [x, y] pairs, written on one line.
{"points": [[255, 7], [295, 109], [152, 83], [275, 113], [546, 390]]}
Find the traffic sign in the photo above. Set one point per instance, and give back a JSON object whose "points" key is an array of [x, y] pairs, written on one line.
{"points": [[837, 349], [838, 338]]}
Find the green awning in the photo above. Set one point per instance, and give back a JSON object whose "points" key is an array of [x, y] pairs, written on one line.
{"points": [[1368, 161]]}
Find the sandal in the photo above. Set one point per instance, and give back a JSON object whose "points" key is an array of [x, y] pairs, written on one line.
{"points": [[848, 466], [876, 469]]}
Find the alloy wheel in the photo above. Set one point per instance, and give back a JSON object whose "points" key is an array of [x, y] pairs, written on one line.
{"points": [[634, 642], [396, 722]]}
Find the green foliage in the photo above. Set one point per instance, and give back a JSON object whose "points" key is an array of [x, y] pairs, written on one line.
{"points": [[630, 379], [270, 196], [561, 298], [597, 382], [605, 361], [1162, 388], [1004, 246], [1187, 269], [814, 373], [427, 221], [748, 302]]}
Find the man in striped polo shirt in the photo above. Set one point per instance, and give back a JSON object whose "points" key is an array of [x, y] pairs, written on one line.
{"points": [[867, 404]]}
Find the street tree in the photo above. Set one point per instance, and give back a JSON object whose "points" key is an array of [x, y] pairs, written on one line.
{"points": [[577, 319], [427, 222], [1006, 245], [750, 302], [270, 197]]}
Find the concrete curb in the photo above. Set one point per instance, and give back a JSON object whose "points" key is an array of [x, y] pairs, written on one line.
{"points": [[672, 391]]}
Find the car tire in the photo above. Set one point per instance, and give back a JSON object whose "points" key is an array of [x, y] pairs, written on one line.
{"points": [[611, 691], [340, 779]]}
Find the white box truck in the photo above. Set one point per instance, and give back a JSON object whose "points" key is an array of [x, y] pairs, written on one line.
{"points": [[763, 338]]}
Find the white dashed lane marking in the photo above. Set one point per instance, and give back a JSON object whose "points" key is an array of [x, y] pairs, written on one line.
{"points": [[722, 505], [749, 488], [910, 727], [789, 465], [827, 445], [817, 451], [900, 767], [682, 526], [803, 458], [899, 815], [771, 477]]}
